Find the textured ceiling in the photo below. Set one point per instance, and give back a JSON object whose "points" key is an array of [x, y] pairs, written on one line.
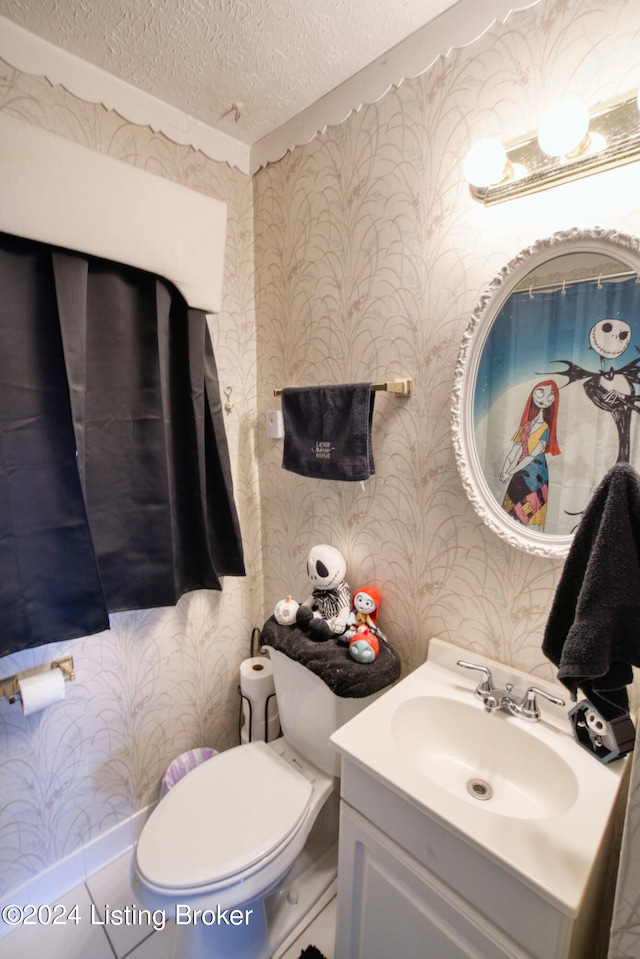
{"points": [[271, 58]]}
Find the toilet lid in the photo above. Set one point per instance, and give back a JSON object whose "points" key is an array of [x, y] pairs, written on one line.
{"points": [[222, 818]]}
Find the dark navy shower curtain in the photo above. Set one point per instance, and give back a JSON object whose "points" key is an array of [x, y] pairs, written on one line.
{"points": [[115, 482]]}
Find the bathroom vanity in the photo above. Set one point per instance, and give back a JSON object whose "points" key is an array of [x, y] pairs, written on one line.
{"points": [[464, 834]]}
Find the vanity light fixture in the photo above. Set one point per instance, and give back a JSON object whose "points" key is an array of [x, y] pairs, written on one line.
{"points": [[486, 163], [571, 142], [564, 129]]}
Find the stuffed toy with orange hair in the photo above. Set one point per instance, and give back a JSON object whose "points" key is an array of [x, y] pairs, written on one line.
{"points": [[362, 632]]}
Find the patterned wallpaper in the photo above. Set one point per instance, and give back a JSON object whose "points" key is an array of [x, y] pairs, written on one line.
{"points": [[160, 681], [369, 258]]}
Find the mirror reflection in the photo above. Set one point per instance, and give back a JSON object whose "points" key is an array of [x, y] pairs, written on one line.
{"points": [[551, 391]]}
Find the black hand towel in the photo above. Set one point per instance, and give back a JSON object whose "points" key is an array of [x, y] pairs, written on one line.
{"points": [[593, 631], [327, 431]]}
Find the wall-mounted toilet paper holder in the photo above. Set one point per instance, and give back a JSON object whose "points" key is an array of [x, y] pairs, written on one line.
{"points": [[10, 689]]}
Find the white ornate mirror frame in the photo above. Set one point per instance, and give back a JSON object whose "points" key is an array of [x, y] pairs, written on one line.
{"points": [[588, 432]]}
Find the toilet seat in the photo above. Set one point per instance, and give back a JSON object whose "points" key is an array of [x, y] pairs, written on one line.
{"points": [[209, 827]]}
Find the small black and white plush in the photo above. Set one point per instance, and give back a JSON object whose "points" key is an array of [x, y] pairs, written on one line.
{"points": [[332, 663], [593, 630], [325, 612]]}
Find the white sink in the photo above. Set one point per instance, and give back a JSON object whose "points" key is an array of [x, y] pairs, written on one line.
{"points": [[525, 794], [480, 758]]}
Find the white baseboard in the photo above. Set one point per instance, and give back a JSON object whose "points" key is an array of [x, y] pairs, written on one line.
{"points": [[48, 886]]}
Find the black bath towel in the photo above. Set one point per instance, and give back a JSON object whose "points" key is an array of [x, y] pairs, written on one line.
{"points": [[332, 663], [327, 431], [593, 631]]}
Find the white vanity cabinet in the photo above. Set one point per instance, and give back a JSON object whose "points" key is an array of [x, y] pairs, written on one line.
{"points": [[466, 832], [410, 888]]}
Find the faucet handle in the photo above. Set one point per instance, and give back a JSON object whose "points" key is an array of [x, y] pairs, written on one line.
{"points": [[529, 706], [485, 686]]}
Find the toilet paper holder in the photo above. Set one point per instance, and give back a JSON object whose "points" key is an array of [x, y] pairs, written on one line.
{"points": [[10, 689], [267, 702]]}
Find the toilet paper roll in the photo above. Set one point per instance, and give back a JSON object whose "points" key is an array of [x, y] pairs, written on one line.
{"points": [[42, 690], [256, 684]]}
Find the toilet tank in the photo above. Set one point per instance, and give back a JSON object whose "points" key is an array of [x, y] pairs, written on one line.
{"points": [[310, 712]]}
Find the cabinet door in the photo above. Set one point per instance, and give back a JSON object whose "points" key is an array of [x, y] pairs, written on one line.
{"points": [[390, 907]]}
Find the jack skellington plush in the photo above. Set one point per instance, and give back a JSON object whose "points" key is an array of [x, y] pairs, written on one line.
{"points": [[325, 611]]}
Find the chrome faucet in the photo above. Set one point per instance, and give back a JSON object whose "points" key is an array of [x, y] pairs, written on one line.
{"points": [[495, 699]]}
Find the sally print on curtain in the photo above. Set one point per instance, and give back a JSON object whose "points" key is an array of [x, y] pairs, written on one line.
{"points": [[563, 369], [525, 468]]}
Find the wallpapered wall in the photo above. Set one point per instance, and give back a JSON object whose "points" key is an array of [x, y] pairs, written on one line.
{"points": [[160, 681], [369, 258]]}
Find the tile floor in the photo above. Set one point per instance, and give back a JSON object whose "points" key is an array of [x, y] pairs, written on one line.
{"points": [[92, 937]]}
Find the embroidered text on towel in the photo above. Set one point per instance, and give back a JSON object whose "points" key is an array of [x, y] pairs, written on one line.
{"points": [[323, 451]]}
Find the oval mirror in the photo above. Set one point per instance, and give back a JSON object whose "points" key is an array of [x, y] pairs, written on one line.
{"points": [[547, 387]]}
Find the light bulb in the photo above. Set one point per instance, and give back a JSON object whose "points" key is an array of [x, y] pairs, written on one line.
{"points": [[563, 128], [485, 163]]}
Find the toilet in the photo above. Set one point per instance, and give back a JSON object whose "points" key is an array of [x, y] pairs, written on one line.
{"points": [[227, 835]]}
